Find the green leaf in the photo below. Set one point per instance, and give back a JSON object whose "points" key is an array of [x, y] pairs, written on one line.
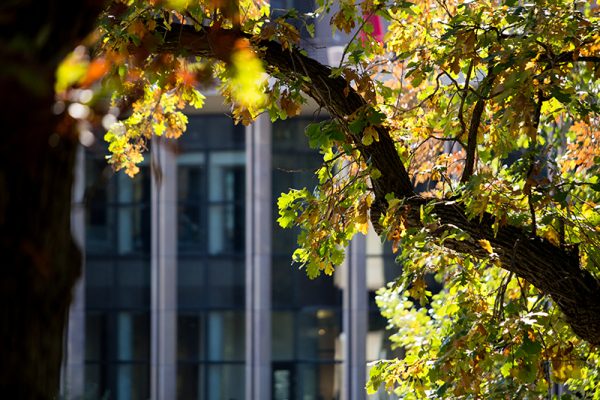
{"points": [[505, 369]]}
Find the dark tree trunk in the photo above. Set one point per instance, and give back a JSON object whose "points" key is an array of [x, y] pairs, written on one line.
{"points": [[39, 260], [40, 263]]}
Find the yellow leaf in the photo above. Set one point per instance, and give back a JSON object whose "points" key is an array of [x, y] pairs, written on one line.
{"points": [[486, 245], [248, 79], [179, 5], [363, 228], [369, 135], [70, 71]]}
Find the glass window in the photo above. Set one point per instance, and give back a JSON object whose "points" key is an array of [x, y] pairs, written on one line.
{"points": [[306, 381], [132, 382], [118, 212], [319, 381], [190, 214], [211, 202], [283, 335], [213, 132], [113, 283], [319, 335], [210, 381], [117, 273], [306, 319], [117, 354], [211, 336], [211, 269]]}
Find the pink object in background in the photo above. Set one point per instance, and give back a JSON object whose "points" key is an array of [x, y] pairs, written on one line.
{"points": [[377, 34]]}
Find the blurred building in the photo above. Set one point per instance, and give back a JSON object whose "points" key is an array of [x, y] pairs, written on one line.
{"points": [[188, 289]]}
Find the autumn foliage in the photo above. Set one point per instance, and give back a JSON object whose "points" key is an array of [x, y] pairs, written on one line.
{"points": [[468, 137]]}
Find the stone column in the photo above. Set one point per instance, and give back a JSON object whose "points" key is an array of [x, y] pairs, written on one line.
{"points": [[258, 259], [163, 348], [355, 317]]}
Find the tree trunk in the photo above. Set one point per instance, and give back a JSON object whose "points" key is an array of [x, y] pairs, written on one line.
{"points": [[39, 260]]}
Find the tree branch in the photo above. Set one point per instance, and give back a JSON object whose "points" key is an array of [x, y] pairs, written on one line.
{"points": [[553, 270], [474, 126]]}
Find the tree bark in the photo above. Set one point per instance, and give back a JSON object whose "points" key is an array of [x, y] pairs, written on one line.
{"points": [[553, 270], [40, 262]]}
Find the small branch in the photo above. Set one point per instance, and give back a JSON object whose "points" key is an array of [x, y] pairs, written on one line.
{"points": [[474, 128], [360, 28], [426, 99], [463, 125], [532, 211], [445, 7], [486, 88], [499, 301], [571, 56], [442, 139]]}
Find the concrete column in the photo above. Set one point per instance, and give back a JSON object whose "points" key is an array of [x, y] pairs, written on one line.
{"points": [[258, 259], [163, 347], [73, 369], [355, 320]]}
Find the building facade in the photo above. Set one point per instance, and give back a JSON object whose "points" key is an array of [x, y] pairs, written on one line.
{"points": [[188, 291]]}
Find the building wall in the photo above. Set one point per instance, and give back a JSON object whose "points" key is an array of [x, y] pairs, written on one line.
{"points": [[188, 291], [312, 351]]}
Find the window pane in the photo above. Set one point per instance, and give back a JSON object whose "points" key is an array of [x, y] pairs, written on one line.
{"points": [[319, 381], [95, 327], [318, 335], [282, 335], [226, 282], [133, 339], [212, 131], [210, 381], [190, 188], [306, 329], [191, 284], [211, 269], [94, 381], [118, 229], [284, 274], [132, 382], [132, 284], [211, 336], [217, 282]]}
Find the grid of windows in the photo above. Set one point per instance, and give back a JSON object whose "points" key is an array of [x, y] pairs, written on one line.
{"points": [[117, 354], [210, 351], [306, 317], [210, 262]]}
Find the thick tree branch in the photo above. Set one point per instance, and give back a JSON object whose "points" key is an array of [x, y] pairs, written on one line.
{"points": [[571, 56], [553, 270]]}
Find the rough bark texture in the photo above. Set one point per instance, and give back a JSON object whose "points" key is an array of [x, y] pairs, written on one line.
{"points": [[553, 270], [40, 262]]}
